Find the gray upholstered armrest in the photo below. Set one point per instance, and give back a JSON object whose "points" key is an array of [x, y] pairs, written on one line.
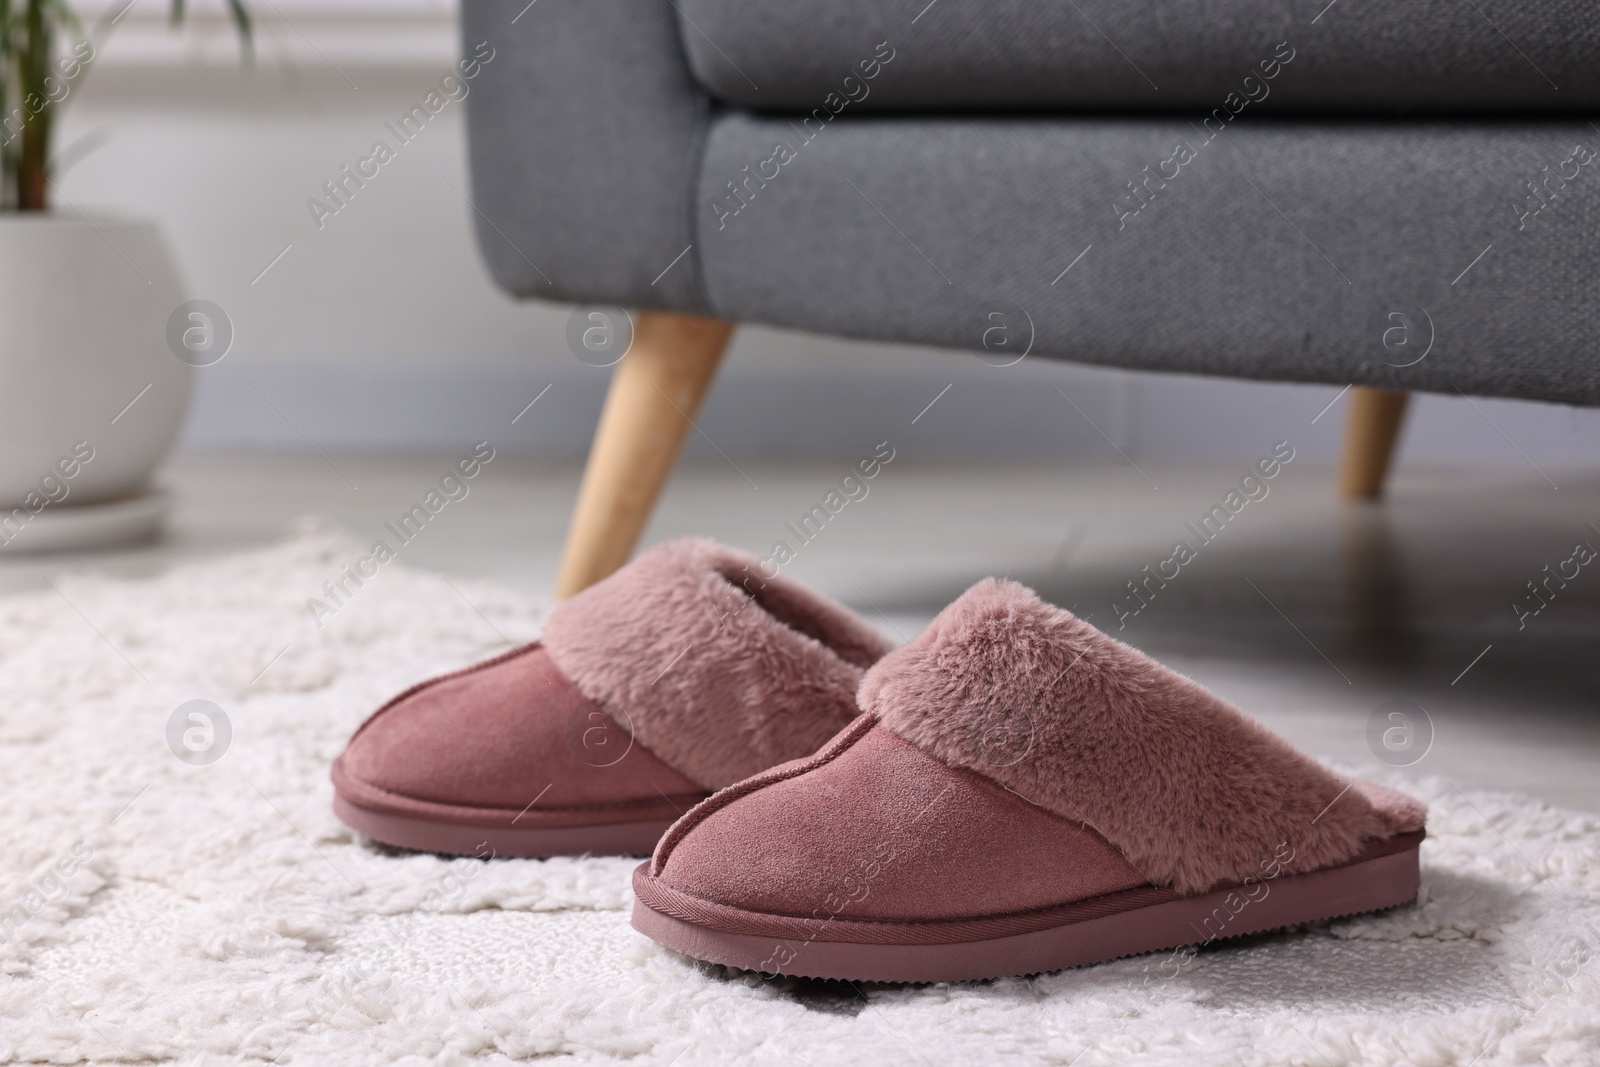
{"points": [[585, 132]]}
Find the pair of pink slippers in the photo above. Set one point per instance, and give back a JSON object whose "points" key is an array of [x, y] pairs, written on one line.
{"points": [[1011, 792]]}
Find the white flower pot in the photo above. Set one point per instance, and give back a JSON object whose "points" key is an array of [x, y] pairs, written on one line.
{"points": [[84, 357]]}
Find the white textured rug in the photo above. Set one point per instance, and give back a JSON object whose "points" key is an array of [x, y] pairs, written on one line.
{"points": [[153, 910]]}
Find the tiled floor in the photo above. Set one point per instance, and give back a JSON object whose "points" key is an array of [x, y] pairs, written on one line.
{"points": [[1307, 613]]}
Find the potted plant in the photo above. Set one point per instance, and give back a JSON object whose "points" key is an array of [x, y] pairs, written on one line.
{"points": [[92, 395]]}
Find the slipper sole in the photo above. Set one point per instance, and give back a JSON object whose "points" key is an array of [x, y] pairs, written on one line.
{"points": [[1118, 924], [534, 842]]}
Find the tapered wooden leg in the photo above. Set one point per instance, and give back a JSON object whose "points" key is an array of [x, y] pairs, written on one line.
{"points": [[656, 391], [1370, 435]]}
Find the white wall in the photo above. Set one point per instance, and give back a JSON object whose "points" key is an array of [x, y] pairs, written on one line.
{"points": [[381, 330]]}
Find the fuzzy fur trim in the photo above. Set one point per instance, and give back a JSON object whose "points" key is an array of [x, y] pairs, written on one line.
{"points": [[1190, 789], [720, 672]]}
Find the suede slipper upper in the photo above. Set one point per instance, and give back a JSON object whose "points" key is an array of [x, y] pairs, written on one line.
{"points": [[685, 671], [1022, 793]]}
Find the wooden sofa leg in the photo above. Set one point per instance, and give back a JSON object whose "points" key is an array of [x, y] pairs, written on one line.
{"points": [[656, 391], [1370, 435]]}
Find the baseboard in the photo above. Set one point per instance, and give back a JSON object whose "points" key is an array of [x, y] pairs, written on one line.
{"points": [[941, 405]]}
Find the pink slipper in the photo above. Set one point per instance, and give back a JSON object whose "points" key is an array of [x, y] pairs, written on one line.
{"points": [[1023, 793], [682, 673]]}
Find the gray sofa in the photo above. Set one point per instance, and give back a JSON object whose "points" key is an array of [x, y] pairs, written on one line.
{"points": [[1396, 195]]}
